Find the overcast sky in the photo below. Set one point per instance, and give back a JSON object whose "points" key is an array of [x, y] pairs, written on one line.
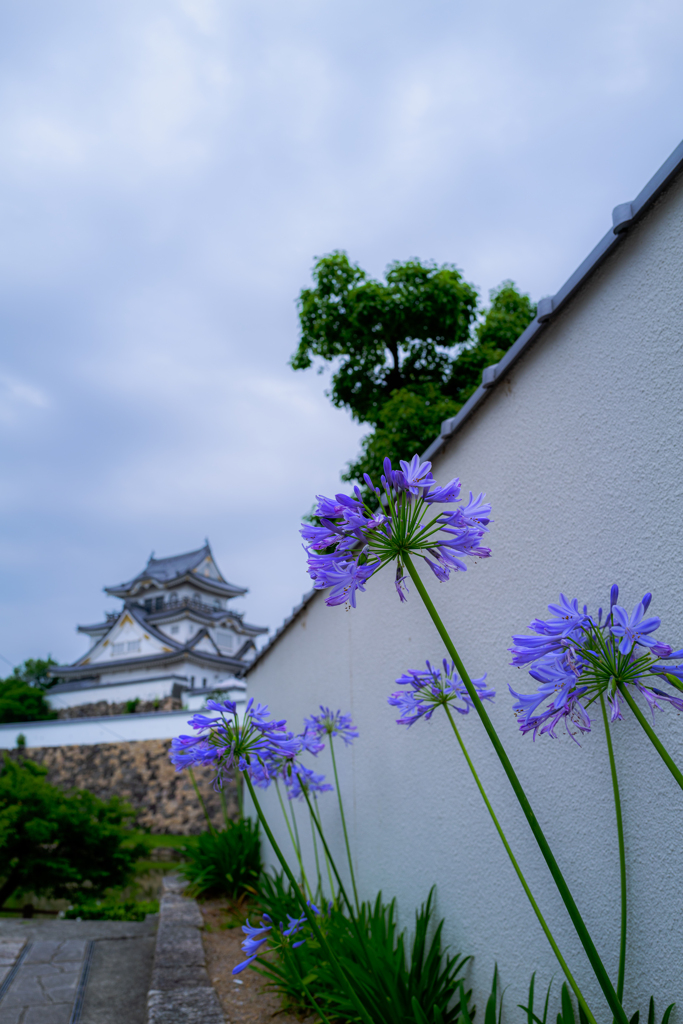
{"points": [[169, 171]]}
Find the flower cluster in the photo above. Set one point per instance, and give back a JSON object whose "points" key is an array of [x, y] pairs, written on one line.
{"points": [[431, 688], [354, 540], [331, 723], [262, 748], [224, 743], [576, 657], [256, 937]]}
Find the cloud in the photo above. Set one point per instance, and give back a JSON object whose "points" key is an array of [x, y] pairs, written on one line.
{"points": [[169, 171]]}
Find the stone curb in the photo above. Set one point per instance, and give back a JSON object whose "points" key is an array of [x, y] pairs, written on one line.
{"points": [[181, 992]]}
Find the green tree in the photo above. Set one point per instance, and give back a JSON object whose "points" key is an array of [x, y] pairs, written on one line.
{"points": [[382, 336], [34, 672], [22, 694], [407, 354], [58, 844], [20, 702]]}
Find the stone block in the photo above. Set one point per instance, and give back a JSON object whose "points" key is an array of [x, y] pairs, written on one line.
{"points": [[41, 952], [185, 1006], [73, 950], [48, 1014]]}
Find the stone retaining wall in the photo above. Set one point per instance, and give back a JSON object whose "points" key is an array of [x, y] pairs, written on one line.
{"points": [[141, 773], [103, 707]]}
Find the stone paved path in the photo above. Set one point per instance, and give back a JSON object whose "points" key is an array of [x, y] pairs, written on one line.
{"points": [[44, 967]]}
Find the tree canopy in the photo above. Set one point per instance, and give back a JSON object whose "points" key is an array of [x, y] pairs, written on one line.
{"points": [[384, 336], [34, 672], [22, 695], [406, 353]]}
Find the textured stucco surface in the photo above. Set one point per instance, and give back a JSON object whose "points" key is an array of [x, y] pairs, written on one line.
{"points": [[579, 451]]}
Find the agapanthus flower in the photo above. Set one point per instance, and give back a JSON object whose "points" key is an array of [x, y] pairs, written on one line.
{"points": [[431, 688], [256, 744], [256, 937], [304, 781], [577, 657], [355, 538], [332, 723]]}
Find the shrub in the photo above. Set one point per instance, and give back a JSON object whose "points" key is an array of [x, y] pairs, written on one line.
{"points": [[226, 862], [112, 908], [58, 844], [388, 982]]}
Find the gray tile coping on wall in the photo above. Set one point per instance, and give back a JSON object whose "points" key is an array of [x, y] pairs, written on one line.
{"points": [[181, 992]]}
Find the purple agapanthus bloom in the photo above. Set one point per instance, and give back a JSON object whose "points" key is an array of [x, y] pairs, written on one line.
{"points": [[332, 723], [577, 658], [256, 744], [354, 539], [305, 781], [257, 937], [633, 629], [431, 688]]}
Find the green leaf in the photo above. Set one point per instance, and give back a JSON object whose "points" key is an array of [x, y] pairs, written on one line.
{"points": [[667, 1013]]}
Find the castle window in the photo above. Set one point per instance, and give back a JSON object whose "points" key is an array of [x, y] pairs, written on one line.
{"points": [[159, 604], [225, 638], [173, 600], [174, 629], [129, 647], [148, 604]]}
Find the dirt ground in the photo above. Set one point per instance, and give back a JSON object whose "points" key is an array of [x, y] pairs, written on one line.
{"points": [[244, 998]]}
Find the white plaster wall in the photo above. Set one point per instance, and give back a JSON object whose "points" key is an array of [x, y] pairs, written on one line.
{"points": [[579, 451], [64, 732], [114, 693]]}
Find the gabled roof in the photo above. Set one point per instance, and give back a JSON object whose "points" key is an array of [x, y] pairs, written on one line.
{"points": [[200, 648], [624, 218], [177, 568], [133, 615]]}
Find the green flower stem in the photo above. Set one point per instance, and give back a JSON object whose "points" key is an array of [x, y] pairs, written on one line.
{"points": [[304, 877], [201, 801], [308, 992], [652, 735], [567, 898], [240, 797], [317, 859], [224, 805], [297, 851], [622, 851], [343, 821], [568, 974], [310, 916], [318, 825], [330, 858]]}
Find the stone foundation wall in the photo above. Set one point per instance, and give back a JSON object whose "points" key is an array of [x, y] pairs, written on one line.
{"points": [[102, 707], [141, 773]]}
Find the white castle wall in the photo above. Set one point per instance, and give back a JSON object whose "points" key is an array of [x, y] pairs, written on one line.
{"points": [[65, 732], [579, 451]]}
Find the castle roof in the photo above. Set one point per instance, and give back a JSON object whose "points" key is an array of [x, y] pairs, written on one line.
{"points": [[198, 567]]}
